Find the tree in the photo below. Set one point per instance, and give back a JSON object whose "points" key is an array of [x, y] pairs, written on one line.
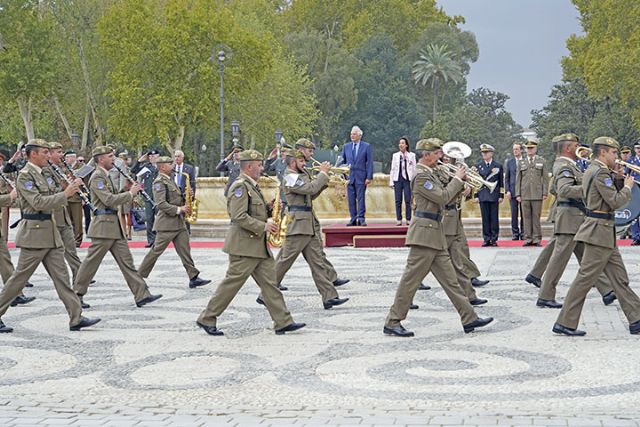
{"points": [[436, 67]]}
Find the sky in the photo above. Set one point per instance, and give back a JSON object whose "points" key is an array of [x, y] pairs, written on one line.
{"points": [[521, 44]]}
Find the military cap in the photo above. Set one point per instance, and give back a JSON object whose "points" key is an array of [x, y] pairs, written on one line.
{"points": [[531, 144], [566, 137], [72, 151], [21, 145], [164, 159], [249, 155], [429, 144], [123, 155], [153, 151], [305, 143], [606, 141], [486, 147], [625, 149], [54, 144], [237, 147], [297, 154], [636, 145], [101, 149], [37, 143]]}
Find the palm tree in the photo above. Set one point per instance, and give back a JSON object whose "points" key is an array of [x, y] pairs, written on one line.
{"points": [[434, 66]]}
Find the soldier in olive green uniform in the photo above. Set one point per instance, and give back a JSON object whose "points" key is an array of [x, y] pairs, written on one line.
{"points": [[249, 253], [598, 234], [307, 148], [74, 208], [531, 191], [39, 238], [170, 225], [304, 229], [63, 221], [457, 244], [428, 245], [569, 214], [106, 232]]}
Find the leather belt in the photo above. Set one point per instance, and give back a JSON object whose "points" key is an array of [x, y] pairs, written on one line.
{"points": [[572, 203], [428, 215], [37, 216], [451, 207], [105, 212], [300, 208], [599, 215]]}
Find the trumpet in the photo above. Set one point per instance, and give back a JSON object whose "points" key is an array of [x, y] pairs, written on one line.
{"points": [[333, 170], [338, 177], [580, 150], [459, 151], [630, 166]]}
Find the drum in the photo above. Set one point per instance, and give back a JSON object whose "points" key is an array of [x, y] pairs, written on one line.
{"points": [[626, 214]]}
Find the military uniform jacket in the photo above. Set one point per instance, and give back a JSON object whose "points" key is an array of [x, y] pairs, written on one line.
{"points": [[492, 173], [531, 178], [600, 195], [567, 186], [61, 215], [300, 190], [429, 195], [37, 196], [168, 199], [451, 220], [248, 211], [104, 196]]}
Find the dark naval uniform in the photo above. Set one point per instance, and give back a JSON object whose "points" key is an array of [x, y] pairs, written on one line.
{"points": [[489, 200]]}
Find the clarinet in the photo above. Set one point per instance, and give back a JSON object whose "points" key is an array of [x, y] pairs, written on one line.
{"points": [[143, 193], [83, 187], [7, 181], [83, 196]]}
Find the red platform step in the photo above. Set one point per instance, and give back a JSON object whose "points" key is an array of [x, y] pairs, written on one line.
{"points": [[341, 235]]}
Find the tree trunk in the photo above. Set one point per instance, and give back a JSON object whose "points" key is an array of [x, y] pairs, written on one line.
{"points": [[85, 129], [65, 122], [24, 104], [177, 144], [87, 84], [435, 100]]}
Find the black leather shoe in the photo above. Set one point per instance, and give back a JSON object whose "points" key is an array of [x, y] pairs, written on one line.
{"points": [[340, 282], [22, 300], [82, 303], [485, 244], [635, 242], [148, 245], [283, 288], [609, 298], [290, 328], [197, 281], [533, 280], [362, 224], [211, 330], [634, 327], [478, 301], [333, 302], [29, 285], [549, 303], [147, 300], [4, 329], [352, 224], [527, 244], [536, 244], [424, 287], [92, 282], [85, 322], [398, 331], [477, 282], [478, 323], [260, 301], [559, 329], [515, 238], [414, 307]]}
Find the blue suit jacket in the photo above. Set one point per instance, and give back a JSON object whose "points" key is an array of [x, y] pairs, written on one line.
{"points": [[511, 170], [491, 173], [362, 165]]}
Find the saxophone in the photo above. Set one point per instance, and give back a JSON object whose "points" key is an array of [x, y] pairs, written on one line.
{"points": [[189, 200], [282, 220]]}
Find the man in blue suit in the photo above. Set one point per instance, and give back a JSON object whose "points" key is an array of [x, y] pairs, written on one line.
{"points": [[510, 187], [491, 171], [357, 153]]}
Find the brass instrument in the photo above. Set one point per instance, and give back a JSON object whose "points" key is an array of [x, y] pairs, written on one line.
{"points": [[338, 177], [282, 220], [189, 200], [579, 151], [459, 151]]}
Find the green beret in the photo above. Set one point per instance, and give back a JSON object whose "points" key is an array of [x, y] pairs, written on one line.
{"points": [[486, 147], [250, 155], [429, 144], [54, 144], [164, 159], [305, 143], [101, 149], [607, 141], [37, 143], [296, 154], [531, 144], [625, 149]]}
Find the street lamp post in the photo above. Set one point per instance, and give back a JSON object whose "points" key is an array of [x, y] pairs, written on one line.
{"points": [[221, 53]]}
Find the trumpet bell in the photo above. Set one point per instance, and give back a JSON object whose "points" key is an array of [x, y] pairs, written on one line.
{"points": [[456, 150]]}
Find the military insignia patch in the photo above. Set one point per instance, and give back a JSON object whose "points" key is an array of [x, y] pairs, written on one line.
{"points": [[299, 183], [566, 173], [28, 185], [100, 185], [49, 181], [428, 185], [158, 186], [608, 182], [238, 192]]}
